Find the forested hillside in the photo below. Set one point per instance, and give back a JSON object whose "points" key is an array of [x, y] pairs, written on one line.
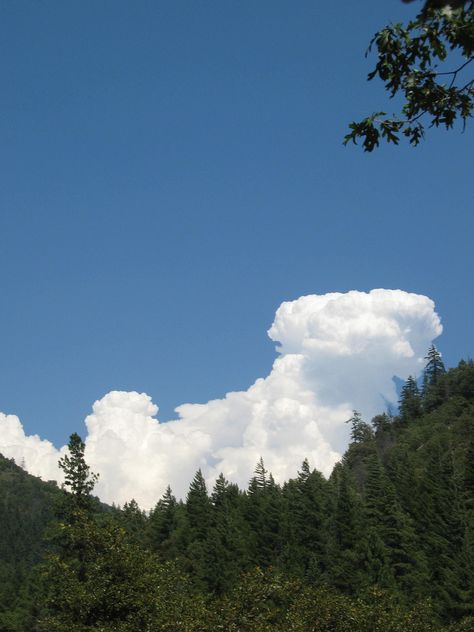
{"points": [[27, 506], [386, 544]]}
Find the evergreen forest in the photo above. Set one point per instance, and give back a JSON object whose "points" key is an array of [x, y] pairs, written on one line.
{"points": [[386, 544]]}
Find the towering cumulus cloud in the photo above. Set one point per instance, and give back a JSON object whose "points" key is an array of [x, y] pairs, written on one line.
{"points": [[337, 352]]}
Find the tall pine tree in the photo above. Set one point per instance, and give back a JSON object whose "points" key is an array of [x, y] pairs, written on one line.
{"points": [[410, 404], [433, 372]]}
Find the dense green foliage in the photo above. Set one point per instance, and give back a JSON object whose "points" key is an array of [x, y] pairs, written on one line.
{"points": [[426, 64], [386, 544], [27, 506]]}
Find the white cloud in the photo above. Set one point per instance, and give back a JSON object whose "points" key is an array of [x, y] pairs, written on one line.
{"points": [[38, 456], [337, 352]]}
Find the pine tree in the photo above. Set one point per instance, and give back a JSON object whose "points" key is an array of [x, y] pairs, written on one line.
{"points": [[162, 522], [377, 562], [198, 506], [346, 535], [381, 423], [434, 367], [410, 401], [134, 521], [305, 525], [395, 557], [229, 536], [468, 470], [360, 431], [263, 512], [434, 371], [76, 510], [259, 481], [78, 477], [439, 523], [220, 492], [466, 558], [94, 577], [198, 535]]}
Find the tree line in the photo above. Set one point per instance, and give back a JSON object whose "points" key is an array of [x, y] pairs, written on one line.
{"points": [[385, 544]]}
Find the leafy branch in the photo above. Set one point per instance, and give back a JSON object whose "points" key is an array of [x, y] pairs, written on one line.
{"points": [[408, 64]]}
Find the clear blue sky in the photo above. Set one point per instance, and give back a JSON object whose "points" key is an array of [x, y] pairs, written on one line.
{"points": [[172, 171]]}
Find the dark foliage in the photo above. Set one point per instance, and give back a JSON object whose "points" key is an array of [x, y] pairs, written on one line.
{"points": [[386, 544], [425, 64]]}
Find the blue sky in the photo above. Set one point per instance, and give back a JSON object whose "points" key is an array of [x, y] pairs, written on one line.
{"points": [[172, 172]]}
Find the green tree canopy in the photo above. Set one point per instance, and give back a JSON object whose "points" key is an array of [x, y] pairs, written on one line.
{"points": [[410, 400], [434, 368], [77, 474], [426, 63], [360, 431]]}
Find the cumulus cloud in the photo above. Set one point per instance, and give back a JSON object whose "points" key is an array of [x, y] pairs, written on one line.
{"points": [[38, 456], [337, 352]]}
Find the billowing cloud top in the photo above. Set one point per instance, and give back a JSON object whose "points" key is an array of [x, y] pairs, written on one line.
{"points": [[337, 352]]}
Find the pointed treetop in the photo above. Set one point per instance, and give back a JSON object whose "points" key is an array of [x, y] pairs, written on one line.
{"points": [[198, 484], [434, 367], [261, 474], [168, 499], [220, 488], [259, 481], [305, 472], [78, 477], [410, 400], [360, 431]]}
